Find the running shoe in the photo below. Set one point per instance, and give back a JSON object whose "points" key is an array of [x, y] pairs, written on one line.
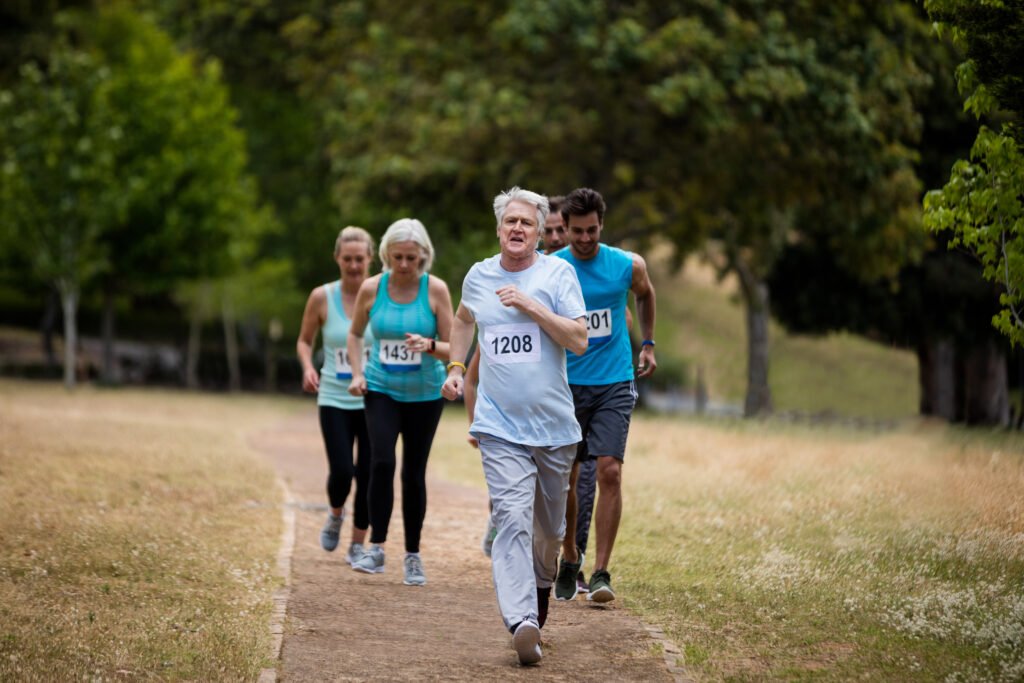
{"points": [[526, 642], [565, 582], [489, 536], [355, 551], [371, 561], [414, 575], [581, 583], [331, 532], [543, 600], [601, 587]]}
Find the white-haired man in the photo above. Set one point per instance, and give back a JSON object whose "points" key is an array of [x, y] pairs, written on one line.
{"points": [[529, 308]]}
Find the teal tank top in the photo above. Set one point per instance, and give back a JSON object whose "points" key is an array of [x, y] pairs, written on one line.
{"points": [[336, 373], [393, 369]]}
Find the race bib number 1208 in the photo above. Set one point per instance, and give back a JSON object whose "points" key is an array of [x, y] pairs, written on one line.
{"points": [[516, 343]]}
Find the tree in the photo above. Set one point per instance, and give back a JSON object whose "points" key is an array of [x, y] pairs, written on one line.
{"points": [[58, 147], [695, 119], [982, 202]]}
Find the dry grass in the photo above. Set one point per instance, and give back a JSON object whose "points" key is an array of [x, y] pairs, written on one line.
{"points": [[137, 535], [769, 552]]}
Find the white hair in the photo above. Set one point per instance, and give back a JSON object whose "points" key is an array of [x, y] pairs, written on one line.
{"points": [[407, 230], [517, 194]]}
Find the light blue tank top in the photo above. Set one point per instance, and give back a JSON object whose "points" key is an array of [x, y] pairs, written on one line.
{"points": [[392, 369], [335, 373], [606, 280]]}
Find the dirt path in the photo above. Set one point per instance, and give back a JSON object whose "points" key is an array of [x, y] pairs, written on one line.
{"points": [[342, 625]]}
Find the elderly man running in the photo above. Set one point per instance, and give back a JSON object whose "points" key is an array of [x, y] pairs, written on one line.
{"points": [[529, 309]]}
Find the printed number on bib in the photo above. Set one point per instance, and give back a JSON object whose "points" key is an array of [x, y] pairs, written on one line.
{"points": [[395, 356], [342, 368], [599, 326], [517, 343]]}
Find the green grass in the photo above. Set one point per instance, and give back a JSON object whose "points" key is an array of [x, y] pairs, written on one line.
{"points": [[701, 323]]}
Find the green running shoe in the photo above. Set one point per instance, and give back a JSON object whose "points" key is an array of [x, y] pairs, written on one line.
{"points": [[565, 582], [601, 587]]}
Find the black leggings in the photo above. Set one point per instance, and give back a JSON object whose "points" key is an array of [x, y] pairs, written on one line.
{"points": [[386, 418], [341, 429]]}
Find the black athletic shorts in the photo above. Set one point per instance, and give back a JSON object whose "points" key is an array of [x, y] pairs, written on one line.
{"points": [[603, 412]]}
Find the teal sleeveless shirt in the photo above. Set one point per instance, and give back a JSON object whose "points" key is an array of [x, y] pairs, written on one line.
{"points": [[393, 369], [335, 373]]}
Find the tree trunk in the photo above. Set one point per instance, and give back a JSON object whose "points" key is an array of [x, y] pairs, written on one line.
{"points": [[109, 373], [231, 344], [755, 296], [69, 304], [195, 332], [47, 326], [937, 375], [986, 386]]}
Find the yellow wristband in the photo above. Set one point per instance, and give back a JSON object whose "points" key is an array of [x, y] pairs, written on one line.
{"points": [[456, 364]]}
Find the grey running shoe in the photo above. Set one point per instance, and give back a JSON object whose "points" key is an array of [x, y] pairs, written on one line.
{"points": [[414, 575], [601, 587], [355, 551], [526, 642], [565, 582], [489, 536], [371, 561], [331, 531]]}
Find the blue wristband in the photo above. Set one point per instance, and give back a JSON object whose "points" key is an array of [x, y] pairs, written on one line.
{"points": [[647, 342]]}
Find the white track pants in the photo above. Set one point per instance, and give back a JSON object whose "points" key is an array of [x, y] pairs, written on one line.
{"points": [[528, 486]]}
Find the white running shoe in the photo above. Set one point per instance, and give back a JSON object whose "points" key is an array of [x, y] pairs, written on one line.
{"points": [[526, 641], [414, 575], [371, 561]]}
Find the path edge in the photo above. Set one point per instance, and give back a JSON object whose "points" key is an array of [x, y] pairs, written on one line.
{"points": [[671, 652], [284, 571]]}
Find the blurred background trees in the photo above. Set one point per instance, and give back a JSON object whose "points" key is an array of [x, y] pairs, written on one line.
{"points": [[789, 144]]}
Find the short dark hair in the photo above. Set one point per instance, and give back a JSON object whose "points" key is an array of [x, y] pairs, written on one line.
{"points": [[556, 202], [582, 201]]}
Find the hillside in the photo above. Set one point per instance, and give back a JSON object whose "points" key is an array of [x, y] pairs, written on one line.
{"points": [[700, 323]]}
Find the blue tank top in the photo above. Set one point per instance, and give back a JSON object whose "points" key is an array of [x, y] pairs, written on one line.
{"points": [[606, 280], [393, 369], [336, 372]]}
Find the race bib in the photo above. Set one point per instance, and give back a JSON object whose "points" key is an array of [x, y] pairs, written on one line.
{"points": [[599, 326], [516, 343], [395, 356], [342, 368]]}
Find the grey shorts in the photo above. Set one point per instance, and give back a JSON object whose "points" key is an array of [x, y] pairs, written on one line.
{"points": [[603, 412]]}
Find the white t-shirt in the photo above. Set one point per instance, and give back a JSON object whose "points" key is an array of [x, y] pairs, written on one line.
{"points": [[524, 394]]}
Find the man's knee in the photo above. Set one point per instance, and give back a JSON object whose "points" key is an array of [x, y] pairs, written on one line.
{"points": [[609, 473]]}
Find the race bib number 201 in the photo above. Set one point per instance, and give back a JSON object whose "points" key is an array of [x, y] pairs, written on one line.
{"points": [[395, 356], [516, 343], [599, 326]]}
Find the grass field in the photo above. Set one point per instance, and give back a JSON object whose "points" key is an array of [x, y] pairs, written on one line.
{"points": [[137, 532], [771, 552], [701, 322], [137, 535]]}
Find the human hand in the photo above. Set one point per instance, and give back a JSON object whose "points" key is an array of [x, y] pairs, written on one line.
{"points": [[310, 380], [416, 342], [473, 441], [452, 387], [509, 295], [357, 386], [646, 364]]}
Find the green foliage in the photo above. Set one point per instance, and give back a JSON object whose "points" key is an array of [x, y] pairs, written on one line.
{"points": [[981, 203]]}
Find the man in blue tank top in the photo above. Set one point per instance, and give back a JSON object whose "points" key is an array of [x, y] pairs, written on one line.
{"points": [[601, 379]]}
